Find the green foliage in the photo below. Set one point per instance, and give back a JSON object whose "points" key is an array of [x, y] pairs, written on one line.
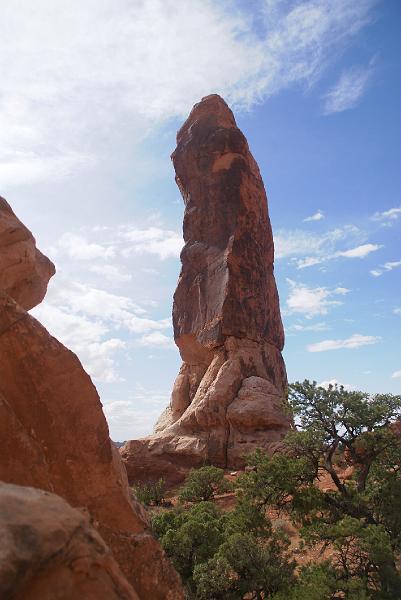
{"points": [[151, 493], [203, 484], [315, 582], [360, 520], [225, 555]]}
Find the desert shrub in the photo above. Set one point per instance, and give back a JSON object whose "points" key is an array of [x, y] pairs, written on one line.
{"points": [[222, 555], [203, 484], [151, 493]]}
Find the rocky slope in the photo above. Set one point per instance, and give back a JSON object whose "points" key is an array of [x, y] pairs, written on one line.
{"points": [[228, 396], [53, 432]]}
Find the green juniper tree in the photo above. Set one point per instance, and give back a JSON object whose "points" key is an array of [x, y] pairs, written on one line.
{"points": [[359, 519]]}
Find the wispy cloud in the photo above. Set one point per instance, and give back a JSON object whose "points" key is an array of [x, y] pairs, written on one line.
{"points": [[97, 65], [314, 249], [355, 341], [388, 266], [359, 251], [311, 301], [396, 375], [136, 415], [153, 240], [388, 217], [348, 90], [298, 327], [317, 216], [120, 241], [96, 324], [299, 242], [397, 311]]}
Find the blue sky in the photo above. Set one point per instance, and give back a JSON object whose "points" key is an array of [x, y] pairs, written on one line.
{"points": [[92, 95]]}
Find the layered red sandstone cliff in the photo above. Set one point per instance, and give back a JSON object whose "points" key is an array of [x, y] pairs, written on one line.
{"points": [[228, 397], [53, 434]]}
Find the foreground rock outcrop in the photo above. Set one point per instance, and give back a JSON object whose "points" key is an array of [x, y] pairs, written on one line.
{"points": [[49, 550], [24, 270], [228, 397], [53, 433]]}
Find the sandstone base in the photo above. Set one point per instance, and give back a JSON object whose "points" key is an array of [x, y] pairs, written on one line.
{"points": [[219, 413]]}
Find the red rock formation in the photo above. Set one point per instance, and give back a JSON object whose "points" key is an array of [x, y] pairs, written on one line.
{"points": [[49, 550], [24, 270], [227, 398], [53, 432]]}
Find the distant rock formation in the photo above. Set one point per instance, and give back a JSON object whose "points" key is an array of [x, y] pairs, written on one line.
{"points": [[228, 397], [53, 432], [49, 550]]}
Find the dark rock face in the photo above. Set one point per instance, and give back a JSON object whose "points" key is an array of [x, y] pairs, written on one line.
{"points": [[227, 398], [53, 431]]}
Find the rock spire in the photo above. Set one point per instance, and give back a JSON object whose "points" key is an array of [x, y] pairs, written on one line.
{"points": [[228, 396]]}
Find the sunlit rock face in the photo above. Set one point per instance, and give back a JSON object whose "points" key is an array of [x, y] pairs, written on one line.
{"points": [[53, 432], [50, 550], [24, 270], [228, 396]]}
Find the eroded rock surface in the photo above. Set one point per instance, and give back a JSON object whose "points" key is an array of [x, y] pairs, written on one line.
{"points": [[50, 550], [24, 270], [228, 397], [54, 435]]}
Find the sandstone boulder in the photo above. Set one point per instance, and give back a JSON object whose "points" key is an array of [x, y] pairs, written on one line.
{"points": [[228, 396], [50, 550], [24, 270]]}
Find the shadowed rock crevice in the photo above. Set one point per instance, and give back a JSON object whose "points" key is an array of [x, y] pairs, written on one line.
{"points": [[227, 398]]}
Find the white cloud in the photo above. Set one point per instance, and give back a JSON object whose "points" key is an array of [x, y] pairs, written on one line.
{"points": [[359, 251], [78, 248], [397, 311], [318, 216], [112, 273], [19, 167], [163, 243], [355, 341], [311, 301], [90, 321], [311, 327], [135, 416], [120, 242], [85, 337], [156, 340], [348, 90], [314, 249], [396, 374], [341, 290], [388, 217], [388, 266], [299, 242], [334, 382], [309, 261], [79, 68]]}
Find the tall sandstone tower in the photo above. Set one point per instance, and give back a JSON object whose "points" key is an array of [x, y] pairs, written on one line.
{"points": [[228, 396]]}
